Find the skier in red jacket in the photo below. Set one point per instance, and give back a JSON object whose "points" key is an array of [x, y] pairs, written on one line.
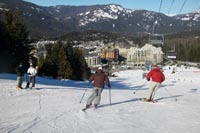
{"points": [[157, 77]]}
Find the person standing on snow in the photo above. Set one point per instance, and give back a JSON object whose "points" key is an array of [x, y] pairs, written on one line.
{"points": [[31, 74], [157, 77], [20, 76], [99, 78]]}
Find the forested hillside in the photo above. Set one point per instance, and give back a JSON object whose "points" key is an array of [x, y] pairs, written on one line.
{"points": [[186, 44]]}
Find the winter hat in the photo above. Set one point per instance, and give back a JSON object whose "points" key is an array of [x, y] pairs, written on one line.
{"points": [[155, 66], [100, 68]]}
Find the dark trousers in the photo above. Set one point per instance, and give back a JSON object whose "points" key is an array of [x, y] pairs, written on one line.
{"points": [[20, 81], [31, 80]]}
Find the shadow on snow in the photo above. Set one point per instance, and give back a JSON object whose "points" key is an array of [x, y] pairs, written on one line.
{"points": [[136, 99]]}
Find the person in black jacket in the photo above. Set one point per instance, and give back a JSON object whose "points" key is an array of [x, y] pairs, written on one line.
{"points": [[20, 76]]}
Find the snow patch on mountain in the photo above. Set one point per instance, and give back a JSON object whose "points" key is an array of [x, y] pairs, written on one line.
{"points": [[196, 17], [109, 12], [197, 11]]}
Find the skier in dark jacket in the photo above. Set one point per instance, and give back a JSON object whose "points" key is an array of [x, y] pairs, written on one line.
{"points": [[157, 77], [99, 79], [20, 76]]}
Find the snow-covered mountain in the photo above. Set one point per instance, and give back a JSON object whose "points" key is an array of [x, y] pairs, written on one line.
{"points": [[194, 16], [190, 19], [54, 106], [56, 20]]}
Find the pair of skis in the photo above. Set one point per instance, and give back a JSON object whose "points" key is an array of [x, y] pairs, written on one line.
{"points": [[95, 106], [84, 109], [144, 100]]}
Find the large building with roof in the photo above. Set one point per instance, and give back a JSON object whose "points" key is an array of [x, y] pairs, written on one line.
{"points": [[147, 53]]}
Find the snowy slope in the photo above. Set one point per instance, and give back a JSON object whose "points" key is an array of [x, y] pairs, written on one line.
{"points": [[54, 106]]}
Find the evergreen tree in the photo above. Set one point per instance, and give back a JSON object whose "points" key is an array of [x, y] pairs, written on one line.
{"points": [[187, 46], [41, 64], [15, 48], [2, 37], [50, 66], [64, 67], [64, 61], [81, 65]]}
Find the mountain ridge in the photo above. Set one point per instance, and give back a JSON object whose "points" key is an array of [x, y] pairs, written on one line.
{"points": [[58, 20]]}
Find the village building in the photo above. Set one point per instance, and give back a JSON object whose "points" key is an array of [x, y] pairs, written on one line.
{"points": [[93, 60], [148, 53]]}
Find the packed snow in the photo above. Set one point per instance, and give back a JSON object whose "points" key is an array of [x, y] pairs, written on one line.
{"points": [[54, 106]]}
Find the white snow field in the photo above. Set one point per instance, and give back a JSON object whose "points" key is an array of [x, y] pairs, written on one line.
{"points": [[54, 106]]}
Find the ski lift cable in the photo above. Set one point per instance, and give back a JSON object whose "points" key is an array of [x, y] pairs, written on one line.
{"points": [[182, 6], [156, 38], [156, 22], [160, 5], [159, 10], [171, 7]]}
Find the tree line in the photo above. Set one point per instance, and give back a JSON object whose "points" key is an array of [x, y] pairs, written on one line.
{"points": [[62, 60], [14, 41], [186, 44]]}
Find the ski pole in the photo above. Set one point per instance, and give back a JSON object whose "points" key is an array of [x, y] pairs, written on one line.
{"points": [[110, 94], [170, 93], [84, 93], [36, 80], [140, 86]]}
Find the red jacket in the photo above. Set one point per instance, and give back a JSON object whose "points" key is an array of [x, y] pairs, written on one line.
{"points": [[99, 78], [156, 75]]}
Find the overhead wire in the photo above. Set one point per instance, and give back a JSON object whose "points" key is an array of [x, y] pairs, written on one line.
{"points": [[158, 37], [182, 6], [160, 5], [156, 22], [171, 7]]}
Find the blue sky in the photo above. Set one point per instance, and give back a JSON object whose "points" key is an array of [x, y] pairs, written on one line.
{"points": [[152, 5]]}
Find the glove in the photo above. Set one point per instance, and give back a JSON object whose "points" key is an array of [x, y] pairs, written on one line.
{"points": [[109, 86], [148, 79]]}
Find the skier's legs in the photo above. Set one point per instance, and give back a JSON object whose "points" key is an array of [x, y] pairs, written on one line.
{"points": [[21, 78], [28, 82], [155, 90], [92, 96], [18, 81], [33, 81], [98, 98], [151, 89]]}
